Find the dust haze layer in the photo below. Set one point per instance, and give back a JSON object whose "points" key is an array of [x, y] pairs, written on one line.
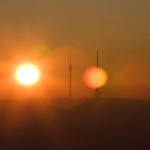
{"points": [[33, 31]]}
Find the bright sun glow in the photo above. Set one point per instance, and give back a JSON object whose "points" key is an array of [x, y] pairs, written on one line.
{"points": [[27, 74], [95, 77]]}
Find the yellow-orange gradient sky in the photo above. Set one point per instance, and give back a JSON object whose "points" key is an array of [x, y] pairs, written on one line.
{"points": [[43, 32]]}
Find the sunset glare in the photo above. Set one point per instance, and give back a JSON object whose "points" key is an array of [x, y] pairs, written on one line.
{"points": [[27, 74]]}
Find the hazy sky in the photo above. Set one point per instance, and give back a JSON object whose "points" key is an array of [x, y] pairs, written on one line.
{"points": [[42, 32]]}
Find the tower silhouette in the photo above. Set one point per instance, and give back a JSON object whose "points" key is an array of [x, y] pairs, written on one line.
{"points": [[97, 93], [70, 79]]}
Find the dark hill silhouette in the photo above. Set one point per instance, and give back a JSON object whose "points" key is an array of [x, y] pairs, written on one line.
{"points": [[88, 124], [65, 103]]}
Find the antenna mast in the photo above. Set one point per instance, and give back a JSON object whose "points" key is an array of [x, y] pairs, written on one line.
{"points": [[70, 70], [97, 93]]}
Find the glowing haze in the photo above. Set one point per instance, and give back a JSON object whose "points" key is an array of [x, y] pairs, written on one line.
{"points": [[43, 33]]}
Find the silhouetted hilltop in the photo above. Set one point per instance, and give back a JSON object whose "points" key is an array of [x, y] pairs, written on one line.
{"points": [[66, 103], [83, 124]]}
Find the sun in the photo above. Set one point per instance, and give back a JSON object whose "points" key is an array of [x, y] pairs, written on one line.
{"points": [[95, 77], [27, 74]]}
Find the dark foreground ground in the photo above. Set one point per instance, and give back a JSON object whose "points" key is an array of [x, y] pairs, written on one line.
{"points": [[84, 125]]}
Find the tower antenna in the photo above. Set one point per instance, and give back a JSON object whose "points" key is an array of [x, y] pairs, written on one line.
{"points": [[70, 70], [97, 93]]}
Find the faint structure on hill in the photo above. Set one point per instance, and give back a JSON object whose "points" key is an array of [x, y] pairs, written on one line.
{"points": [[97, 93], [70, 79]]}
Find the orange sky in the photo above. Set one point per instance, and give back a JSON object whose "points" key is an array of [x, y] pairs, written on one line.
{"points": [[43, 33]]}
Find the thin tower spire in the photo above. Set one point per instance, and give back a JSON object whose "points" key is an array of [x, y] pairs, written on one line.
{"points": [[97, 93], [70, 70]]}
